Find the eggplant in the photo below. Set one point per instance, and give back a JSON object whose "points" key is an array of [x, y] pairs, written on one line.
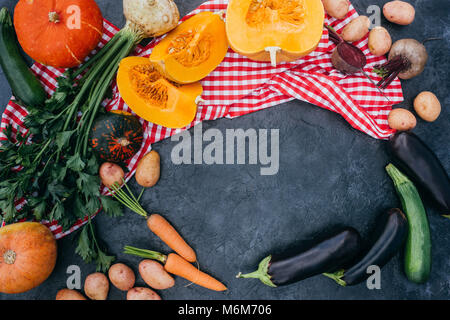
{"points": [[328, 255], [420, 163], [393, 231]]}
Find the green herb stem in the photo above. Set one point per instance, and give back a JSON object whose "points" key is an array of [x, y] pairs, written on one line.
{"points": [[128, 201], [143, 253]]}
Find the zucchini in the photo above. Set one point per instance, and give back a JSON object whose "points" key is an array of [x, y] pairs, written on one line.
{"points": [[25, 87], [418, 243]]}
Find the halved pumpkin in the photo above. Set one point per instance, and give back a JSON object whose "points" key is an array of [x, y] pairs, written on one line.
{"points": [[192, 50], [154, 98], [274, 30]]}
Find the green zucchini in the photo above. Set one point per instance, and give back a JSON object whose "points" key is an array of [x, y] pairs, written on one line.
{"points": [[418, 243], [25, 87]]}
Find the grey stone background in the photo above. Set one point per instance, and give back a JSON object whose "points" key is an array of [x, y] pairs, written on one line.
{"points": [[330, 175]]}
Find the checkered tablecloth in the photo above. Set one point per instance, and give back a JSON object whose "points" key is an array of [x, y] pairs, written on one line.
{"points": [[239, 86]]}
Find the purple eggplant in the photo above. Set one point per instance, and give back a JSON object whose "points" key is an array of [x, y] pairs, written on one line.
{"points": [[327, 256], [420, 163]]}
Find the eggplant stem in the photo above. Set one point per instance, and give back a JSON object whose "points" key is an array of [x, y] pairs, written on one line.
{"points": [[337, 276], [261, 274], [446, 216]]}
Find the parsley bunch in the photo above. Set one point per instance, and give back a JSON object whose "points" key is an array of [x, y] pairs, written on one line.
{"points": [[47, 166]]}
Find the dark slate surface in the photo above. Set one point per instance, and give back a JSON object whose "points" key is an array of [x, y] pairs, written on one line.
{"points": [[330, 175]]}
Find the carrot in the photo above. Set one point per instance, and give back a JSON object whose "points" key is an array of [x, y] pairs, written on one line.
{"points": [[180, 267], [156, 223], [175, 264], [164, 230]]}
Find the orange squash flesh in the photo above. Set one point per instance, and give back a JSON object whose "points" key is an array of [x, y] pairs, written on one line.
{"points": [[154, 98], [274, 30], [193, 50]]}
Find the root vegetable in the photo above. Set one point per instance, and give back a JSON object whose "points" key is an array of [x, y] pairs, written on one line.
{"points": [[380, 41], [356, 29], [140, 293], [399, 12], [69, 294], [111, 173], [401, 119], [152, 17], [154, 275], [148, 169], [175, 264], [346, 57], [96, 286], [406, 60], [167, 233], [121, 276], [427, 106], [336, 8]]}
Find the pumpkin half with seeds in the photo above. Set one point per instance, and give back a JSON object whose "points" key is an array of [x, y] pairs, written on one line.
{"points": [[192, 50], [153, 97], [274, 30], [116, 136], [27, 256]]}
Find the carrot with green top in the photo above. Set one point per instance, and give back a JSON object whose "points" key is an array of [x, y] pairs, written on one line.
{"points": [[156, 223], [175, 264]]}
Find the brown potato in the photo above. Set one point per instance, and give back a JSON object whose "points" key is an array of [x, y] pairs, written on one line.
{"points": [[155, 275], [69, 294], [148, 169], [336, 8], [96, 286], [399, 12], [111, 173], [380, 41], [401, 119], [356, 29], [121, 276], [427, 106], [140, 293]]}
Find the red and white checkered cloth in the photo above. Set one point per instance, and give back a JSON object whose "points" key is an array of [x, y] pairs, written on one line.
{"points": [[239, 86]]}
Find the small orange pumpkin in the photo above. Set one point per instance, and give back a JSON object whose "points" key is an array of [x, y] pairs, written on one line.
{"points": [[27, 256], [58, 33]]}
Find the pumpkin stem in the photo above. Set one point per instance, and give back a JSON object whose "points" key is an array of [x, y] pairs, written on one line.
{"points": [[273, 54], [124, 142], [9, 257], [53, 17]]}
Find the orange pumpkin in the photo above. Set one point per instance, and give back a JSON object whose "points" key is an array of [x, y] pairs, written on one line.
{"points": [[193, 50], [58, 33], [153, 97], [274, 30], [27, 256]]}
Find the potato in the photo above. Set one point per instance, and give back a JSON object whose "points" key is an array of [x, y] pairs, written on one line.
{"points": [[140, 293], [427, 106], [69, 294], [121, 276], [336, 8], [399, 12], [356, 29], [380, 41], [96, 286], [401, 119], [148, 169], [111, 173], [155, 275]]}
